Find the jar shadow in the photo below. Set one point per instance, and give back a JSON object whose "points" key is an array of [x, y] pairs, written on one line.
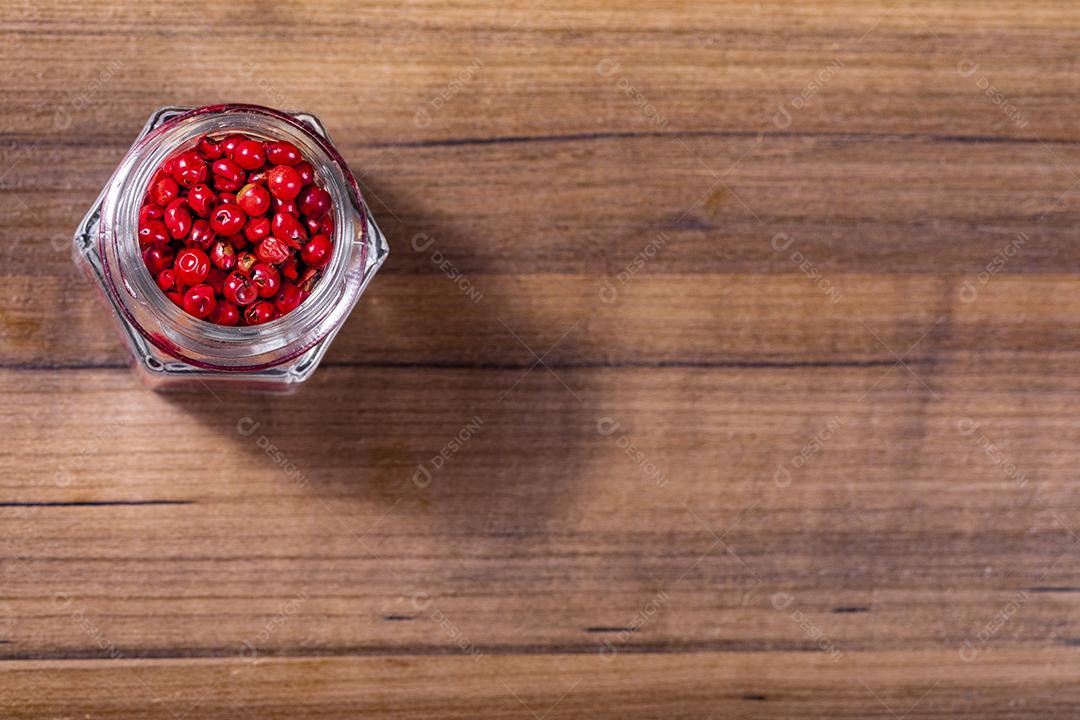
{"points": [[428, 410]]}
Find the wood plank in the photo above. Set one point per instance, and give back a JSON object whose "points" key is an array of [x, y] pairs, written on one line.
{"points": [[647, 319], [919, 685], [703, 65], [900, 508], [849, 205]]}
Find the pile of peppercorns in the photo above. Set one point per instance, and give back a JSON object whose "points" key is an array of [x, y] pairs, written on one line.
{"points": [[236, 230]]}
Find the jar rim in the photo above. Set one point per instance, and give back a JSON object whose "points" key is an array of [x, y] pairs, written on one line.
{"points": [[200, 342]]}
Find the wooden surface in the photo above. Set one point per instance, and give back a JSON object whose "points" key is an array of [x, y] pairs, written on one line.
{"points": [[800, 461]]}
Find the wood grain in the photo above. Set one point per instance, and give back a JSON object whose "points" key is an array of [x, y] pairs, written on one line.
{"points": [[813, 455], [755, 684]]}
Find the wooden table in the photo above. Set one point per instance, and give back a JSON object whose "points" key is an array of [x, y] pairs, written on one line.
{"points": [[737, 343]]}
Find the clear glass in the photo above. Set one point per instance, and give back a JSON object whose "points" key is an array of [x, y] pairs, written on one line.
{"points": [[172, 349]]}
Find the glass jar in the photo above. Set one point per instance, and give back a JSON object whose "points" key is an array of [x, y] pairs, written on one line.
{"points": [[171, 348]]}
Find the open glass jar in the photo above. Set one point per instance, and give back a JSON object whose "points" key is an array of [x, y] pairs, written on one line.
{"points": [[172, 348]]}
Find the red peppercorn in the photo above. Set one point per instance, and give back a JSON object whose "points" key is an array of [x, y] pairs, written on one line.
{"points": [[253, 199], [226, 198], [224, 313], [314, 202], [164, 191], [189, 169], [283, 182], [288, 268], [227, 219], [249, 155], [288, 229], [176, 296], [216, 279], [191, 266], [287, 298], [307, 280], [272, 250], [266, 279], [317, 252], [166, 280], [277, 205], [223, 255], [245, 261], [282, 153], [199, 300], [260, 312], [257, 228], [150, 211], [158, 259], [257, 178], [153, 234], [208, 148], [228, 169], [225, 185], [201, 236], [230, 143], [238, 289], [178, 219], [201, 199], [306, 173], [326, 225]]}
